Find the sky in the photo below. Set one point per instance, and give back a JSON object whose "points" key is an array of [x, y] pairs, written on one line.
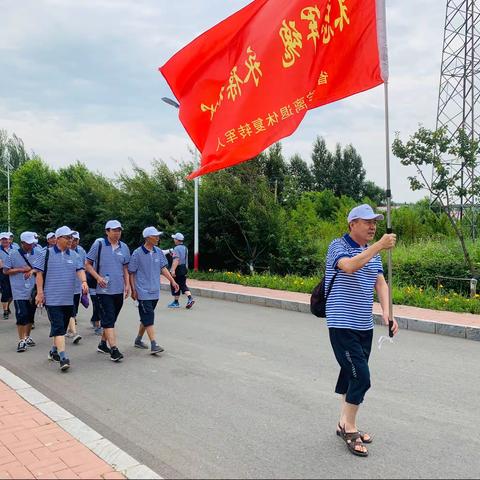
{"points": [[80, 81]]}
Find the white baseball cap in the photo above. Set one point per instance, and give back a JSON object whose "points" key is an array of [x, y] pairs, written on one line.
{"points": [[178, 236], [113, 224], [151, 232], [4, 235], [364, 212], [63, 231], [10, 234], [50, 235], [28, 237], [76, 235]]}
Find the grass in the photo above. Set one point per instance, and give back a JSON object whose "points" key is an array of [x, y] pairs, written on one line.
{"points": [[429, 297]]}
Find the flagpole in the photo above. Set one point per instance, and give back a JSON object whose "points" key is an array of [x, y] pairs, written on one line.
{"points": [[389, 211]]}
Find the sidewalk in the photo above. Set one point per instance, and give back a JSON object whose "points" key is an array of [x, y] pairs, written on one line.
{"points": [[33, 446], [40, 439], [461, 325]]}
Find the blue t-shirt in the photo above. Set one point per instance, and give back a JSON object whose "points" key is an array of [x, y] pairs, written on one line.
{"points": [[59, 285], [83, 255], [147, 267], [180, 252], [21, 287], [350, 302], [112, 261]]}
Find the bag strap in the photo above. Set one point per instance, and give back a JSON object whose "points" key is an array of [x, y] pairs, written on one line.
{"points": [[331, 285], [98, 256], [25, 258], [45, 268]]}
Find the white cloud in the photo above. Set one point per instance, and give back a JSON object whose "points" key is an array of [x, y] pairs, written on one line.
{"points": [[104, 147]]}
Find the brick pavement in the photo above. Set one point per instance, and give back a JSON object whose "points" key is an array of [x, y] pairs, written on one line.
{"points": [[34, 446]]}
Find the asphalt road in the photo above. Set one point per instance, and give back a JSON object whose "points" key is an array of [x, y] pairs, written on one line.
{"points": [[247, 392]]}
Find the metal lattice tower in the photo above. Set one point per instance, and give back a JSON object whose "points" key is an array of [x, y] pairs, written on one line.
{"points": [[459, 94]]}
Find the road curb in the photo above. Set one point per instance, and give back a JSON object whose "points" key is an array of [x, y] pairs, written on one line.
{"points": [[94, 441], [406, 323]]}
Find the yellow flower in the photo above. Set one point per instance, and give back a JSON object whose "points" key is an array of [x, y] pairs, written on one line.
{"points": [[440, 286], [446, 300]]}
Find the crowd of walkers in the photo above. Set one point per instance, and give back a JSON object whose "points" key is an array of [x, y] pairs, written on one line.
{"points": [[61, 275]]}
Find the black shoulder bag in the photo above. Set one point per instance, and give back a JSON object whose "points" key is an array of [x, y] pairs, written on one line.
{"points": [[91, 280], [318, 300]]}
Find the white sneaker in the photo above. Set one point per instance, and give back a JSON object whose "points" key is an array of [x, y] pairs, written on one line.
{"points": [[76, 338], [29, 341], [69, 334]]}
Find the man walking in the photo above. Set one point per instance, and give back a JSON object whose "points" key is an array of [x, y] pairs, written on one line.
{"points": [[355, 268], [145, 267], [57, 268], [18, 266], [179, 271], [72, 325], [5, 250], [107, 261]]}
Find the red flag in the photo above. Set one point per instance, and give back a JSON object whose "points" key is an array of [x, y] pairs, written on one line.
{"points": [[249, 81]]}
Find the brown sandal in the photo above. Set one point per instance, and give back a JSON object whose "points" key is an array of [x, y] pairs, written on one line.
{"points": [[362, 435], [351, 440]]}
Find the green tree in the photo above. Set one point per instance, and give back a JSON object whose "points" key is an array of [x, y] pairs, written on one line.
{"points": [[322, 166], [150, 199], [425, 150], [275, 169], [373, 192], [349, 172], [31, 186], [241, 223]]}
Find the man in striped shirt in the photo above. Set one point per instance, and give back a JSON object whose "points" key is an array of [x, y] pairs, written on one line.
{"points": [[18, 266], [72, 325], [148, 262], [358, 269], [112, 283], [5, 250], [57, 269]]}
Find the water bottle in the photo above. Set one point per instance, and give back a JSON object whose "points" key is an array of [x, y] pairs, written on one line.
{"points": [[107, 281]]}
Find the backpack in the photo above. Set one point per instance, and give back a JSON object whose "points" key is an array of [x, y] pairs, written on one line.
{"points": [[318, 300]]}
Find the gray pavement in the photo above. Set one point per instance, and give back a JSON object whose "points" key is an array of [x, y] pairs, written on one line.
{"points": [[245, 391]]}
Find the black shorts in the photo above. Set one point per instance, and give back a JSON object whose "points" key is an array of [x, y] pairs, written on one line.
{"points": [[146, 309], [24, 312], [59, 317], [182, 283], [352, 351], [95, 315], [76, 303], [109, 307], [6, 288]]}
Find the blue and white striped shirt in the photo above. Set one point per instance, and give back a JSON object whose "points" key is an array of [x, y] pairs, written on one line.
{"points": [[62, 270], [83, 255], [350, 302], [147, 267], [5, 253], [21, 287], [112, 262]]}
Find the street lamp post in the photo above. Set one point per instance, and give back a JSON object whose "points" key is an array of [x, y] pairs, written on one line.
{"points": [[6, 157], [196, 253]]}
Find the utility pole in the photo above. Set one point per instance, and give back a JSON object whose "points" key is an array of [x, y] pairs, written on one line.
{"points": [[196, 253]]}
